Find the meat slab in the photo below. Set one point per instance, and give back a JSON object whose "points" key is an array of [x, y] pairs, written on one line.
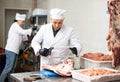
{"points": [[113, 37]]}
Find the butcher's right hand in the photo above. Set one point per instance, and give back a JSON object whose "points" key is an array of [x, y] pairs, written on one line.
{"points": [[34, 28], [44, 52]]}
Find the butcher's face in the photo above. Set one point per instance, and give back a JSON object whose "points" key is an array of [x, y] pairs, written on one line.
{"points": [[20, 22], [57, 23]]}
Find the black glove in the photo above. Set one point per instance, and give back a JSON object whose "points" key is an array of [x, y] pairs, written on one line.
{"points": [[74, 51], [34, 28], [44, 52]]}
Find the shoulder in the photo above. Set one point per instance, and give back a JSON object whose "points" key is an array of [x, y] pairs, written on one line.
{"points": [[67, 28], [14, 26], [44, 28], [47, 25], [15, 23]]}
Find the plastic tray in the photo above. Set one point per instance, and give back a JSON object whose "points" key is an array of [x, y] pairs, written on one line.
{"points": [[88, 63], [102, 78]]}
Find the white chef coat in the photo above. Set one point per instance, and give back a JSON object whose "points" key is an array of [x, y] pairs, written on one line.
{"points": [[15, 37], [64, 38]]}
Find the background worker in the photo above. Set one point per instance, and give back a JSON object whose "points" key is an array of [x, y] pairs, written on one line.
{"points": [[15, 38], [58, 36]]}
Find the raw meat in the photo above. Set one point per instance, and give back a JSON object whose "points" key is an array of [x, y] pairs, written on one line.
{"points": [[113, 37], [97, 72], [98, 56], [63, 69]]}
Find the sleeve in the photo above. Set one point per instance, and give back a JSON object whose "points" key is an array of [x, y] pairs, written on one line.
{"points": [[22, 31], [37, 40], [75, 42]]}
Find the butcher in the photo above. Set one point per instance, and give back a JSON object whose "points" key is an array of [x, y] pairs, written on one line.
{"points": [[55, 41]]}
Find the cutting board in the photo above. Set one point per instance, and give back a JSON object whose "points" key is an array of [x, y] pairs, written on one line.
{"points": [[48, 73]]}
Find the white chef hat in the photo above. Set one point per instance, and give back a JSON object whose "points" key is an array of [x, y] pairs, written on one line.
{"points": [[57, 13], [20, 16]]}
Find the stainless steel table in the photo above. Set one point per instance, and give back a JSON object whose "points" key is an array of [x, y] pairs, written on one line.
{"points": [[18, 77]]}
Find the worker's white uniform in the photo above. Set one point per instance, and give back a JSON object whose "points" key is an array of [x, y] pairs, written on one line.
{"points": [[15, 37], [64, 38]]}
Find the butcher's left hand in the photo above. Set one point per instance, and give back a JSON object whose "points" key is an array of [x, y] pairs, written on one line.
{"points": [[74, 50]]}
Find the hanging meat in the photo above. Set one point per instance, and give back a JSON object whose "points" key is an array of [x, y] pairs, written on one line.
{"points": [[113, 37]]}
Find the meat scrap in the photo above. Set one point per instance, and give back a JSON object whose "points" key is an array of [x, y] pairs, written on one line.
{"points": [[63, 69], [116, 58], [113, 37], [97, 72], [98, 56]]}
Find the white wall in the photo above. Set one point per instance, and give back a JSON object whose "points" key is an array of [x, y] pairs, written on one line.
{"points": [[90, 21], [87, 17]]}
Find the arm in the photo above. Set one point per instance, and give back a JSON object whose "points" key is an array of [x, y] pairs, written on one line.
{"points": [[22, 31], [74, 42], [37, 40]]}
